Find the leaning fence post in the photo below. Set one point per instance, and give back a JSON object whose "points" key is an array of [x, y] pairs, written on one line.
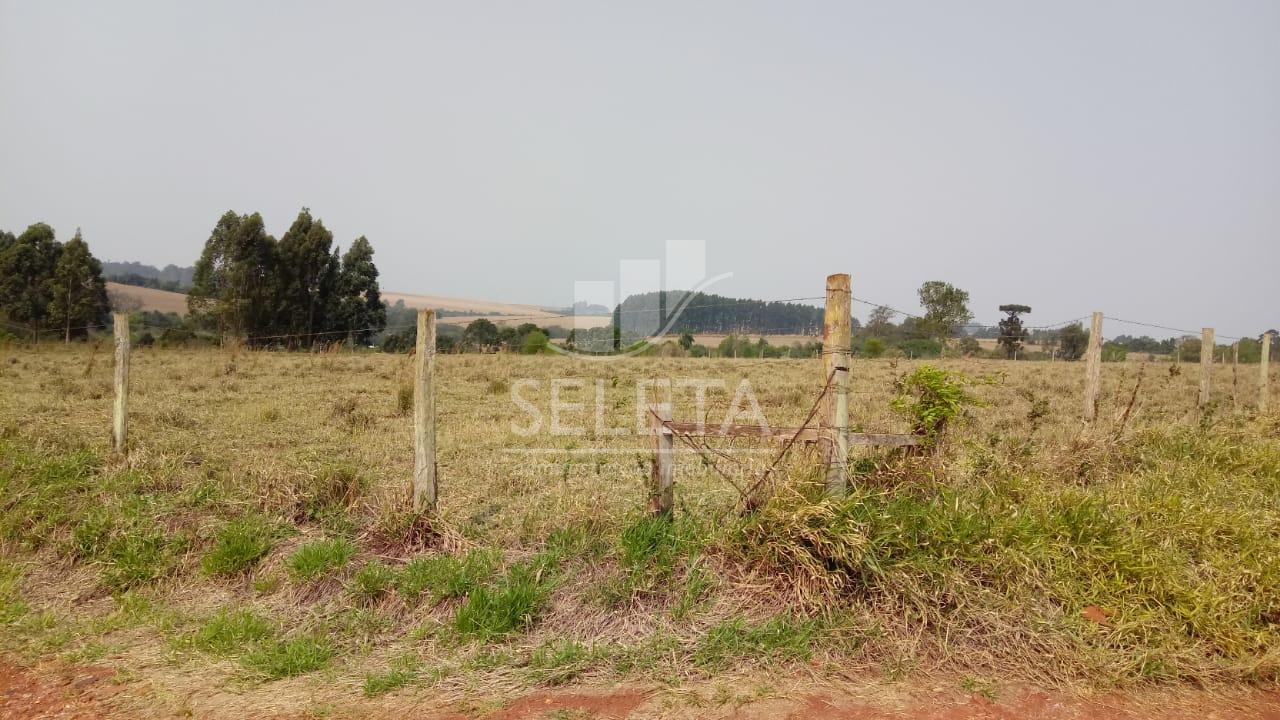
{"points": [[120, 418], [1093, 369], [1263, 376], [837, 340], [424, 415], [1206, 364], [662, 474]]}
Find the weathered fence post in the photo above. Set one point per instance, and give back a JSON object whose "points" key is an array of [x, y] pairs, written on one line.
{"points": [[1235, 376], [662, 474], [424, 415], [1093, 369], [837, 342], [1263, 376], [1206, 364], [120, 418]]}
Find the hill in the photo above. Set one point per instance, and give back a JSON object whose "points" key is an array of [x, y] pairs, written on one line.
{"points": [[133, 297]]}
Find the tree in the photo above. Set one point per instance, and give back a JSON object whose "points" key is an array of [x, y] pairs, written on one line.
{"points": [[360, 307], [969, 346], [1073, 340], [481, 333], [26, 268], [880, 322], [78, 290], [686, 341], [1012, 334], [946, 308], [533, 343], [307, 277], [235, 287]]}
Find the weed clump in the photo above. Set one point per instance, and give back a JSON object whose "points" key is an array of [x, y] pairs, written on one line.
{"points": [[289, 658], [447, 576], [321, 558], [372, 582], [239, 546]]}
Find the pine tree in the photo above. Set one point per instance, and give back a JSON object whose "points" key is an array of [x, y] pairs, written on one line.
{"points": [[360, 307], [78, 290]]}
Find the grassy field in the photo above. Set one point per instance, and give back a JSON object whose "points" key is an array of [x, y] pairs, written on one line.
{"points": [[258, 535]]}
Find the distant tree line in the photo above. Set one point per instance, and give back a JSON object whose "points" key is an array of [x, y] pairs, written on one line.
{"points": [[146, 282], [704, 313], [292, 292], [171, 277], [49, 285]]}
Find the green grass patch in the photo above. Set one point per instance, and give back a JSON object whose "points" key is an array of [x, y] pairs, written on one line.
{"points": [[289, 658], [233, 633], [371, 582], [510, 604], [320, 558], [239, 545], [402, 671], [447, 576], [779, 638]]}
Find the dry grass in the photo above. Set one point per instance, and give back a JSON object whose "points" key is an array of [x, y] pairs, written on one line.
{"points": [[977, 560]]}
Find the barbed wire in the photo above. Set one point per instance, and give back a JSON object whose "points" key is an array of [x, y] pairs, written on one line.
{"points": [[546, 316]]}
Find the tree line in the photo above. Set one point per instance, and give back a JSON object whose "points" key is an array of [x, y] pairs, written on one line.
{"points": [[49, 285], [293, 292], [705, 313]]}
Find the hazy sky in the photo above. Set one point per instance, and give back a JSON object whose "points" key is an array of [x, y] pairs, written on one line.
{"points": [[1072, 156]]}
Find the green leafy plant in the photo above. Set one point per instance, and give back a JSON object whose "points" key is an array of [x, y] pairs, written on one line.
{"points": [[932, 399]]}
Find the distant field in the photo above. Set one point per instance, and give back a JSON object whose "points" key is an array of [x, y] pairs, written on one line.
{"points": [[132, 297]]}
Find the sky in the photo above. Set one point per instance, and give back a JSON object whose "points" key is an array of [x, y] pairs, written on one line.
{"points": [[1071, 156]]}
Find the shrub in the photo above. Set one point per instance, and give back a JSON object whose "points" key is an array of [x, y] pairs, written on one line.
{"points": [[932, 398]]}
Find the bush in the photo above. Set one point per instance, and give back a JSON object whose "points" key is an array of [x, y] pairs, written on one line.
{"points": [[932, 398]]}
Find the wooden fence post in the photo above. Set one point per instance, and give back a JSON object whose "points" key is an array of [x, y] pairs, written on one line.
{"points": [[120, 418], [1093, 369], [837, 341], [424, 415], [663, 471], [1206, 364], [1263, 376], [1235, 376]]}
